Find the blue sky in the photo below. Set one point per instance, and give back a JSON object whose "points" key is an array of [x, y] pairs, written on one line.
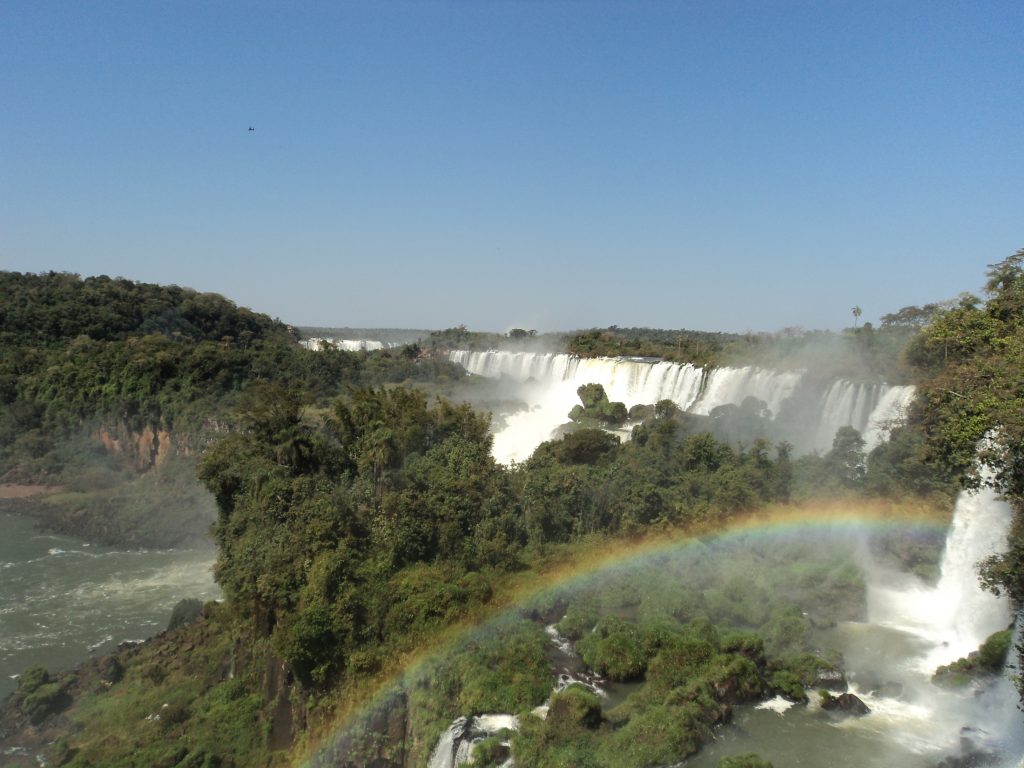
{"points": [[551, 165]]}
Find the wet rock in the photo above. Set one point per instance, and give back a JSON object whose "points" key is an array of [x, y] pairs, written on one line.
{"points": [[890, 690], [830, 679], [844, 703], [971, 754]]}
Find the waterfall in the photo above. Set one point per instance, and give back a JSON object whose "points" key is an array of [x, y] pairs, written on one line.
{"points": [[455, 747], [628, 381], [807, 411], [915, 627], [868, 407], [347, 345], [444, 753], [956, 615], [733, 385]]}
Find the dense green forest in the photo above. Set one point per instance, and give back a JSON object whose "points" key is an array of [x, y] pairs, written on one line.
{"points": [[358, 523], [103, 380], [860, 353]]}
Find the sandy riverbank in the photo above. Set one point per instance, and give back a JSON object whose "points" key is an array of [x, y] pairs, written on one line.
{"points": [[16, 491]]}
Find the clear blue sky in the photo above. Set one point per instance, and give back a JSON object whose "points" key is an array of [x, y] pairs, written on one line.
{"points": [[552, 165]]}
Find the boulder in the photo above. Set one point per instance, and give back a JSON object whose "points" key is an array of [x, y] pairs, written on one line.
{"points": [[844, 703]]}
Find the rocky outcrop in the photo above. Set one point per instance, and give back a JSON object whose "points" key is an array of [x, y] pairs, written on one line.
{"points": [[382, 741], [844, 704], [142, 450]]}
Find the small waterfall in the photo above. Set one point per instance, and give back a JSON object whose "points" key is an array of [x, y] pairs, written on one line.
{"points": [[444, 753], [956, 615], [455, 747], [569, 667], [919, 627]]}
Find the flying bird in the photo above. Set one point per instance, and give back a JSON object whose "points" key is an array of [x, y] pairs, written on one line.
{"points": [[251, 128]]}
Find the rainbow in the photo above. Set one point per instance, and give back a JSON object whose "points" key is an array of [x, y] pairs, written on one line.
{"points": [[576, 567]]}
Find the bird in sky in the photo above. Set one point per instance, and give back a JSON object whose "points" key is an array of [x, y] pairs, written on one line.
{"points": [[251, 128]]}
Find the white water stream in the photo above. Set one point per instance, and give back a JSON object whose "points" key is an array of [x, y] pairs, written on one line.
{"points": [[318, 344]]}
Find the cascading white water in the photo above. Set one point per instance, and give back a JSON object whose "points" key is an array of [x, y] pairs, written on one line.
{"points": [[868, 407], [891, 405], [346, 345], [956, 615], [915, 627], [548, 384], [628, 381], [455, 747], [727, 386]]}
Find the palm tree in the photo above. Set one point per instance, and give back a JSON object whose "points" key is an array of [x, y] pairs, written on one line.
{"points": [[856, 315]]}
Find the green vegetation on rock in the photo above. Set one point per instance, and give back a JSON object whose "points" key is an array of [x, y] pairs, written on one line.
{"points": [[988, 660]]}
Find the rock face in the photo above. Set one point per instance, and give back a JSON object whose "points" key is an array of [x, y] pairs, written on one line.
{"points": [[382, 743], [844, 703], [145, 450]]}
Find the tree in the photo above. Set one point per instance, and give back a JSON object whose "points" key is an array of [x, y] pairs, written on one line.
{"points": [[856, 315], [847, 456]]}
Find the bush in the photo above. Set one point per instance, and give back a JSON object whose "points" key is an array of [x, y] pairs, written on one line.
{"points": [[993, 652], [184, 613], [656, 736], [489, 753], [987, 660], [789, 685], [614, 650], [30, 680], [575, 707], [579, 620], [44, 701]]}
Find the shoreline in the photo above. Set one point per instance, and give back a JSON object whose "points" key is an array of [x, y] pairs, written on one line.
{"points": [[106, 527], [12, 491]]}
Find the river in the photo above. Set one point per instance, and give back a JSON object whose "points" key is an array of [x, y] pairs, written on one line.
{"points": [[62, 599]]}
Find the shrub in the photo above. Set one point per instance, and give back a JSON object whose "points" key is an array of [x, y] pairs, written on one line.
{"points": [[614, 650], [575, 707], [184, 613]]}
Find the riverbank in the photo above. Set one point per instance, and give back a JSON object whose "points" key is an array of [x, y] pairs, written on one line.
{"points": [[9, 491], [165, 509]]}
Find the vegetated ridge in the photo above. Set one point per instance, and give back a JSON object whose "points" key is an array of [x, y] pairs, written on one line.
{"points": [[351, 536]]}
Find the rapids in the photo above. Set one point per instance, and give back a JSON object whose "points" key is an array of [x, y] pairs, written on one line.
{"points": [[62, 600]]}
